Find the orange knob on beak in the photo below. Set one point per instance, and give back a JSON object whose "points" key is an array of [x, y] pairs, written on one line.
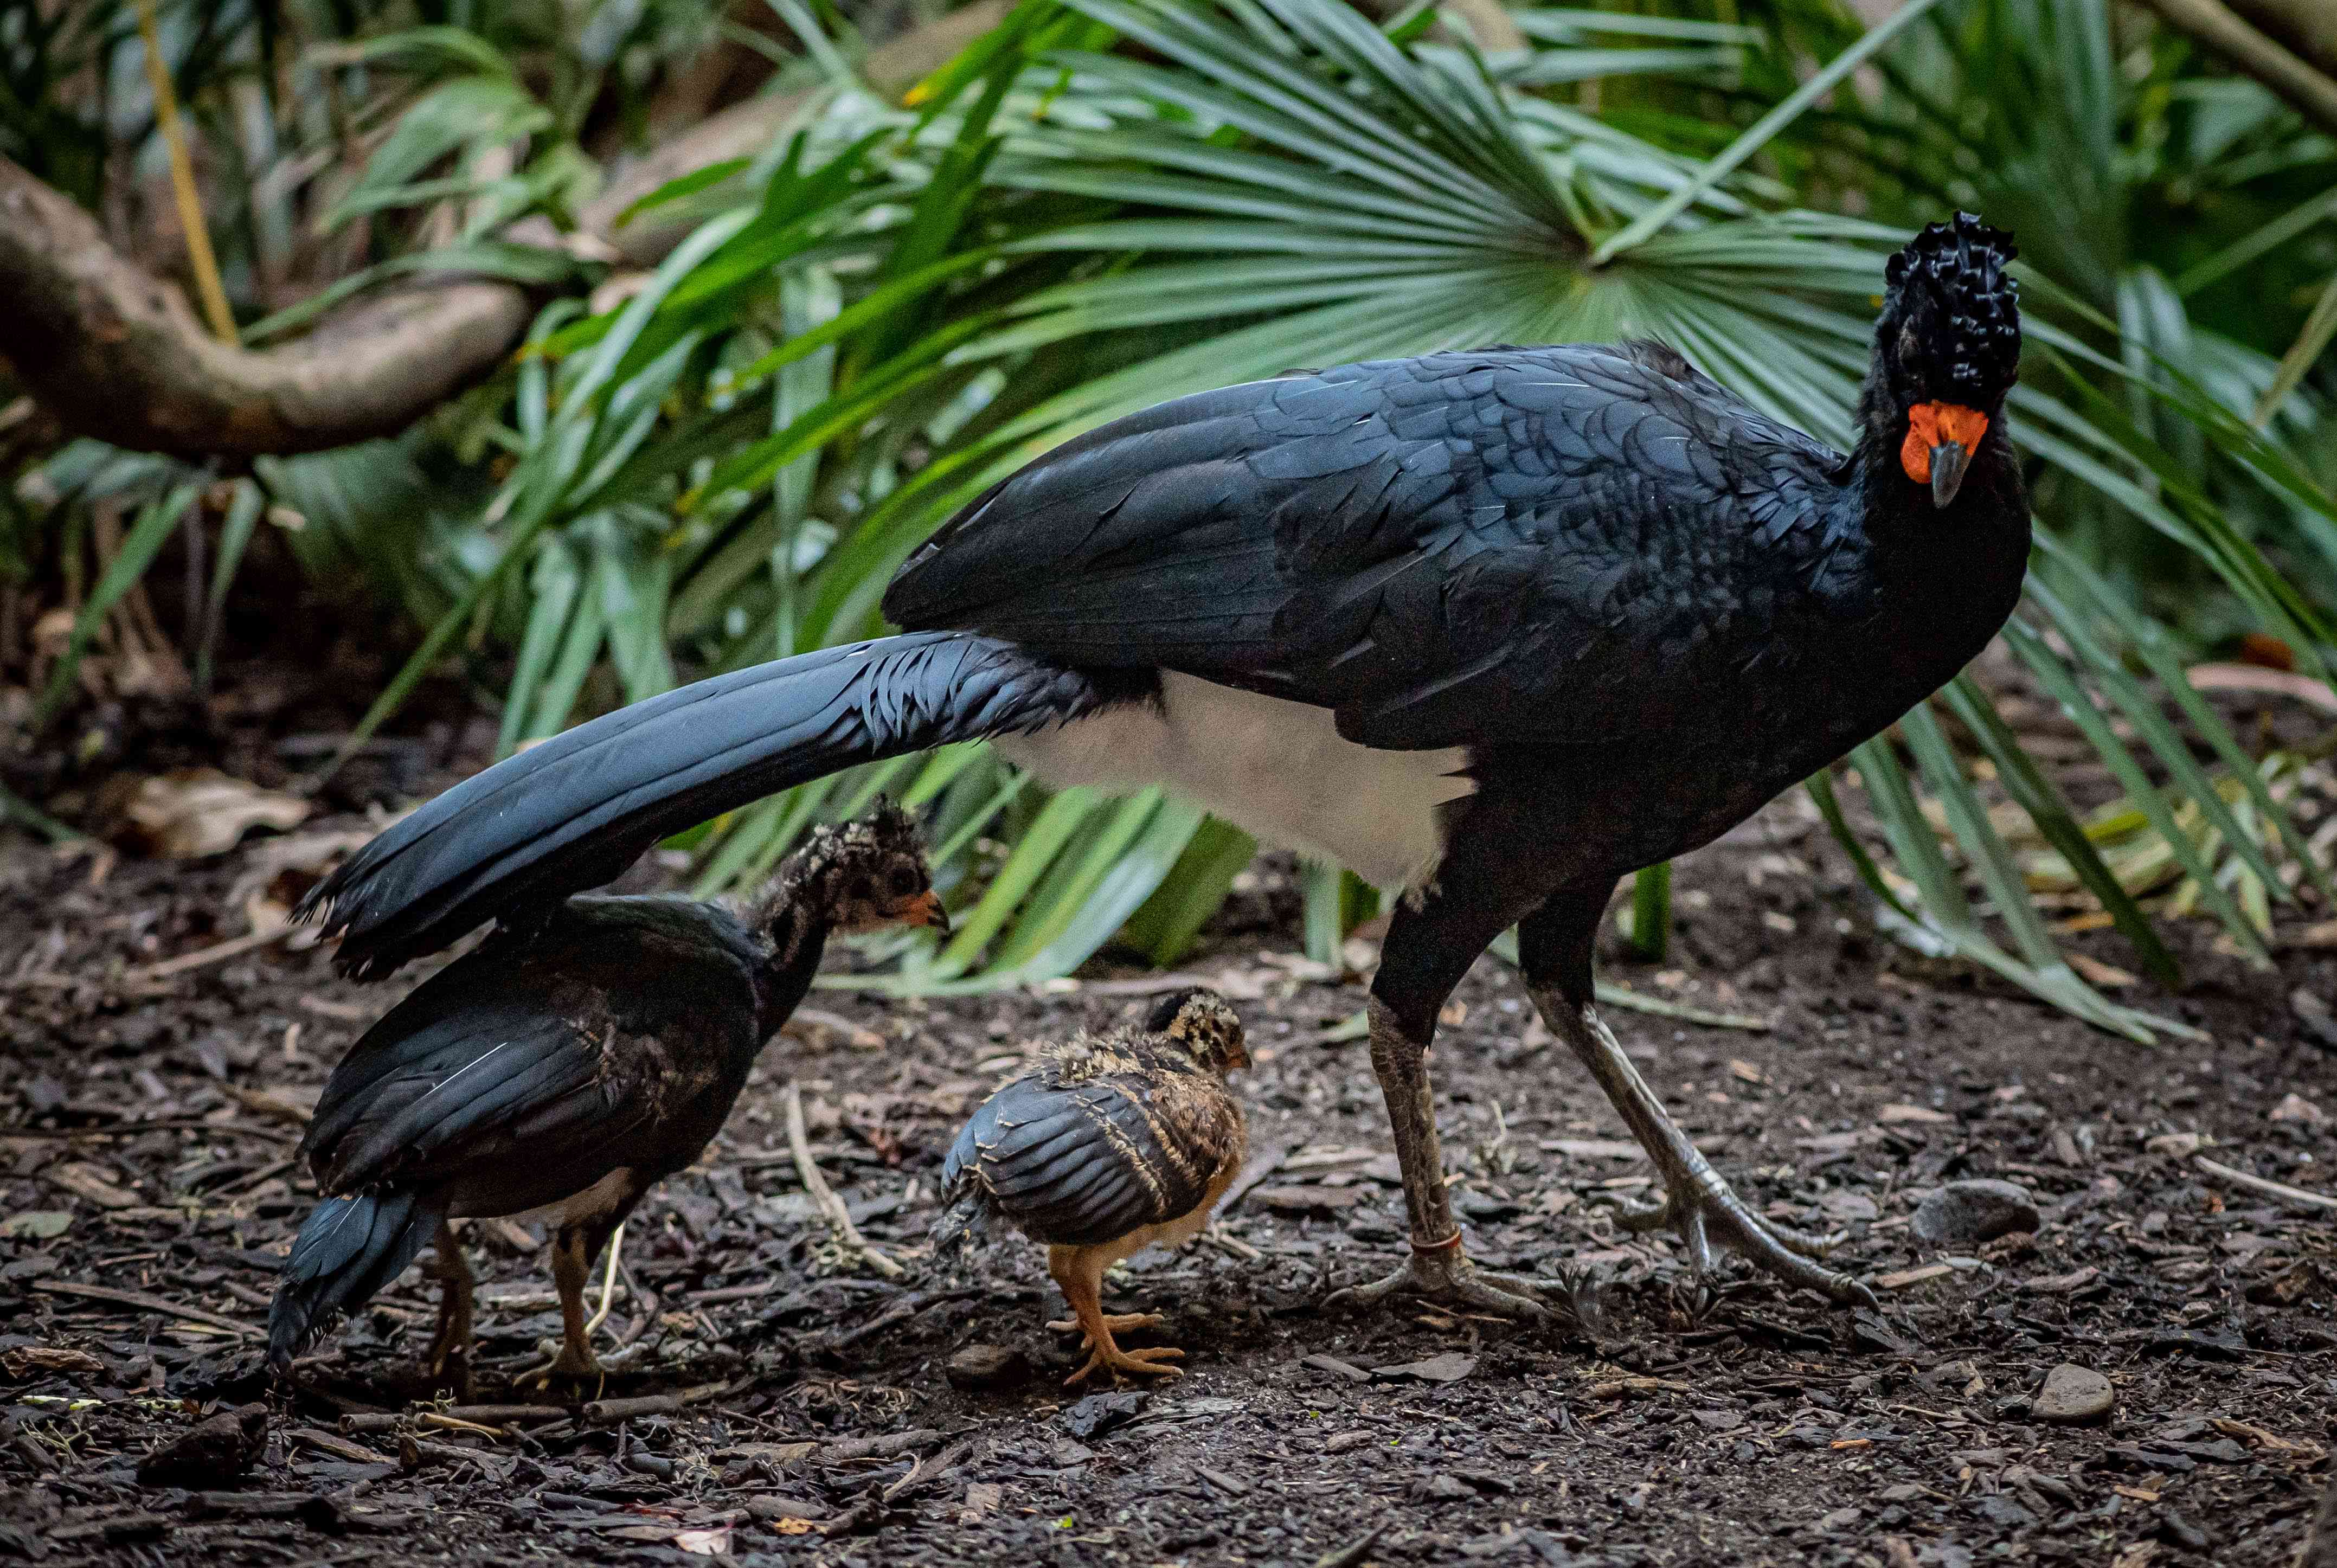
{"points": [[1941, 440]]}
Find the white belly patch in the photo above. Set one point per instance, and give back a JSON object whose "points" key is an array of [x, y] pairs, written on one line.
{"points": [[1276, 769]]}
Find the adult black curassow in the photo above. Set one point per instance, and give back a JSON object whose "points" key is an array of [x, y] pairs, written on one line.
{"points": [[561, 1078], [1106, 1145], [1500, 626]]}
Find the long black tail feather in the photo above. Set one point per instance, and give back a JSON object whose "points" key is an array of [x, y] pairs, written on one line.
{"points": [[347, 1248], [573, 812]]}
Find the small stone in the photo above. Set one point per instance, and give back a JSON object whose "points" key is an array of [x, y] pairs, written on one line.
{"points": [[2073, 1395], [2296, 1107], [986, 1369], [1966, 1213], [771, 1509]]}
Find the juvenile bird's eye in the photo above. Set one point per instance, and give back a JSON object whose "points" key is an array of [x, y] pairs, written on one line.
{"points": [[905, 881]]}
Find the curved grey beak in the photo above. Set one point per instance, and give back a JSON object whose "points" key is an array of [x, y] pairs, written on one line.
{"points": [[1948, 461]]}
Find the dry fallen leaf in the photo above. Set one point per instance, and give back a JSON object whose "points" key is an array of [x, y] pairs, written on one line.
{"points": [[42, 1224], [33, 1360], [2106, 977], [200, 811], [713, 1542], [2296, 1107], [95, 1183]]}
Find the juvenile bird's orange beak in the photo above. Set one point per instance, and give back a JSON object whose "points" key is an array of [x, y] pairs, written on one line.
{"points": [[1941, 440], [925, 909]]}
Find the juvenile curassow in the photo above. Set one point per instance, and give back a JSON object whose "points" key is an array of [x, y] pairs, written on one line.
{"points": [[1500, 626], [1108, 1144], [562, 1077]]}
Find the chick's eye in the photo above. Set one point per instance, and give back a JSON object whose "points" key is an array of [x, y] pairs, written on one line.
{"points": [[905, 881]]}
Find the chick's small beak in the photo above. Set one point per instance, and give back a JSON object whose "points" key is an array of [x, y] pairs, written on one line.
{"points": [[1948, 461], [925, 909]]}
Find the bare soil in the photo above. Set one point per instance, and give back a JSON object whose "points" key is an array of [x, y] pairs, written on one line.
{"points": [[778, 1408]]}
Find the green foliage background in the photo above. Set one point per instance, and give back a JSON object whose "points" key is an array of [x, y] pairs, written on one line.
{"points": [[1103, 204]]}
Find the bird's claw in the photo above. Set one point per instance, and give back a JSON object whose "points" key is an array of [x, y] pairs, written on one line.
{"points": [[1713, 1214], [1444, 1275], [1141, 1363]]}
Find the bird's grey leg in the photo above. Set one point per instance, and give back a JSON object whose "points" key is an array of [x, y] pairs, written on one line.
{"points": [[1438, 1268], [450, 1350], [1704, 1209]]}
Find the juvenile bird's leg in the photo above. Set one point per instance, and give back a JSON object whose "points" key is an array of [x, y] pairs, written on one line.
{"points": [[450, 1350], [1080, 1272], [572, 1269], [1696, 1202], [1438, 1268]]}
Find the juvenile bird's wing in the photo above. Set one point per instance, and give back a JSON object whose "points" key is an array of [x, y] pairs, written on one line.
{"points": [[513, 1062], [1081, 1164], [1502, 543]]}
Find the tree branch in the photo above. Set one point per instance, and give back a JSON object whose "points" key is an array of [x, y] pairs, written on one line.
{"points": [[113, 352], [2307, 26], [2309, 91]]}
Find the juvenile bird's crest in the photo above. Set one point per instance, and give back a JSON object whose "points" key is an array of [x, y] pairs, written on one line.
{"points": [[860, 875], [1199, 1020]]}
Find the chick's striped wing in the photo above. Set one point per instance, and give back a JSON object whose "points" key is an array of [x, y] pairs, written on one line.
{"points": [[1086, 1163]]}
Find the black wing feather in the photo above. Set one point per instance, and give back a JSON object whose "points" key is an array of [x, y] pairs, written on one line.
{"points": [[1370, 538]]}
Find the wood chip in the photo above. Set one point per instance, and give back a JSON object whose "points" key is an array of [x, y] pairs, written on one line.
{"points": [[1906, 1277], [1919, 1115]]}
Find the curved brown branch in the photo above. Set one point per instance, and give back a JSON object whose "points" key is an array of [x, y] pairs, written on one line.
{"points": [[113, 352], [2310, 93]]}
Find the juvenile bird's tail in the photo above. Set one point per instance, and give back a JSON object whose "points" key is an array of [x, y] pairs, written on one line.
{"points": [[573, 812], [347, 1248], [956, 1227]]}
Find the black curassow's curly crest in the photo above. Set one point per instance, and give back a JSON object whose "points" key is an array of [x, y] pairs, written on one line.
{"points": [[1976, 331]]}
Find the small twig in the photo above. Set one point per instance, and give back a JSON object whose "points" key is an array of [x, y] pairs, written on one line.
{"points": [[249, 941], [609, 1412], [150, 1303], [2318, 1202], [900, 1310], [1640, 1002], [1353, 1552], [928, 1468], [822, 1195], [199, 259]]}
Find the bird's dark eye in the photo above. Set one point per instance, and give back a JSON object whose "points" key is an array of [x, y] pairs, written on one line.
{"points": [[905, 881]]}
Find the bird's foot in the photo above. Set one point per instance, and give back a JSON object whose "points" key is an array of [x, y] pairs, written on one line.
{"points": [[1712, 1214], [1443, 1274], [450, 1364], [574, 1363], [1137, 1363], [1114, 1321]]}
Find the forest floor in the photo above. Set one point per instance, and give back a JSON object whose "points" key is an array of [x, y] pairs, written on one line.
{"points": [[770, 1408]]}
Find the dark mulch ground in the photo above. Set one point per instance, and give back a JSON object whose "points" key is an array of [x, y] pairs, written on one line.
{"points": [[807, 1416]]}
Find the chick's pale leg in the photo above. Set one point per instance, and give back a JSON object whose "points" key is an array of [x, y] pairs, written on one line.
{"points": [[1080, 1272]]}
